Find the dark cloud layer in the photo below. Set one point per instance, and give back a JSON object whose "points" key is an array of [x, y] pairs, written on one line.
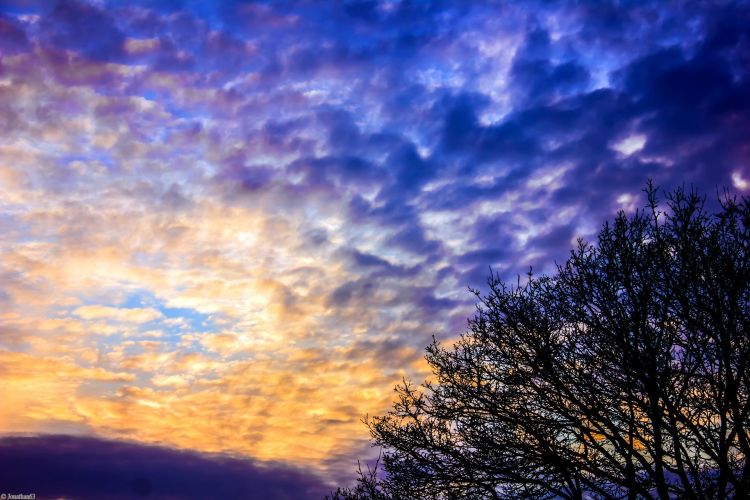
{"points": [[79, 467]]}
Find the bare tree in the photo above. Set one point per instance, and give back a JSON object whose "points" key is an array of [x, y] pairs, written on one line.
{"points": [[625, 374]]}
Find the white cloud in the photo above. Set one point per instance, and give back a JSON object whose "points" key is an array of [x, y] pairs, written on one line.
{"points": [[120, 314], [631, 144], [739, 182]]}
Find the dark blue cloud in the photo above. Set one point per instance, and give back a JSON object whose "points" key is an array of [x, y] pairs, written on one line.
{"points": [[331, 171], [368, 260], [85, 29], [350, 291], [372, 266], [343, 132], [55, 466], [13, 38], [474, 257], [282, 136], [411, 237], [428, 303], [536, 79]]}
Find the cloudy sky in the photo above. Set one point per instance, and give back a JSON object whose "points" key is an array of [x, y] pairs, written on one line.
{"points": [[232, 226]]}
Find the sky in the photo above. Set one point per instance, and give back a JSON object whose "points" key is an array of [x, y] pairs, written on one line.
{"points": [[229, 228]]}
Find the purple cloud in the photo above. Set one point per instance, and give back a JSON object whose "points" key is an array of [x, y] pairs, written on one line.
{"points": [[82, 467]]}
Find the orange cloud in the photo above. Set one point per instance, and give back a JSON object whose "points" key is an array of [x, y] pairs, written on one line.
{"points": [[126, 315]]}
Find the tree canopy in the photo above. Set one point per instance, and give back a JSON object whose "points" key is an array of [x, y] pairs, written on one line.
{"points": [[624, 374]]}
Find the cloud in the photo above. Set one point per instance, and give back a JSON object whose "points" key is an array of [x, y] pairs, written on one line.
{"points": [[83, 28], [118, 314], [537, 80], [13, 38], [233, 227], [68, 466]]}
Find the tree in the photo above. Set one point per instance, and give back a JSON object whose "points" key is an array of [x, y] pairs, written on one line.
{"points": [[625, 374]]}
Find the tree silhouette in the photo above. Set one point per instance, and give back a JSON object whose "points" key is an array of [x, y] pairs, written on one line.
{"points": [[625, 374]]}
